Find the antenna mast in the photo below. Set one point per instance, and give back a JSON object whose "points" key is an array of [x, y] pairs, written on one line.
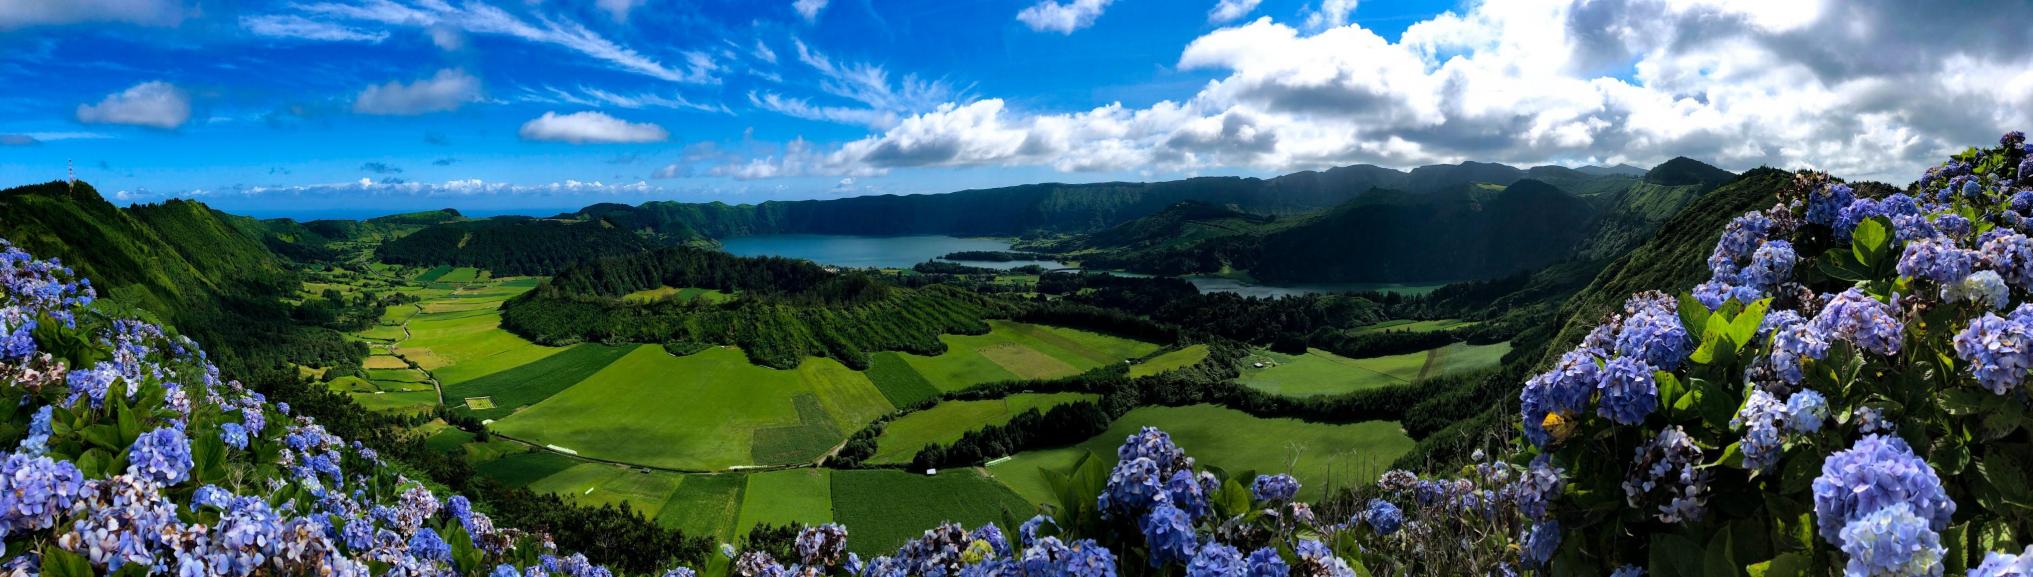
{"points": [[72, 168]]}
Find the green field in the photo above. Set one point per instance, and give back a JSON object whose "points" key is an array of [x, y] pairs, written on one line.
{"points": [[707, 411], [945, 423], [1323, 373], [597, 484], [708, 505], [1412, 326], [785, 497], [522, 469], [885, 508], [1326, 455], [687, 294], [898, 381], [461, 346], [1169, 362], [531, 383], [1014, 350]]}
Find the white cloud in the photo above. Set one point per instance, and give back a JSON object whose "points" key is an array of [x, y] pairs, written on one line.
{"points": [[1064, 18], [484, 19], [1230, 10], [880, 102], [809, 8], [594, 97], [1330, 14], [447, 38], [154, 104], [618, 9], [590, 127], [1876, 89], [763, 53], [447, 90], [293, 27], [25, 13]]}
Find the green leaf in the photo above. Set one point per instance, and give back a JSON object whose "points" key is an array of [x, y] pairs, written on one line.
{"points": [[56, 562], [1785, 565], [1693, 314], [1961, 402], [1744, 327], [1870, 241], [1670, 391], [1719, 560], [1956, 562], [1673, 556]]}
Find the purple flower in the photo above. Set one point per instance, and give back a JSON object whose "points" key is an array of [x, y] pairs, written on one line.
{"points": [[1667, 471], [1558, 396], [1169, 535], [2005, 565], [1861, 320], [1826, 202], [1278, 487], [2011, 255], [35, 490], [1133, 486], [162, 455], [1541, 484], [1762, 419], [1383, 516], [1540, 542], [1999, 350], [1629, 392], [1265, 562], [1770, 265], [1936, 259], [1874, 474], [1652, 333], [1892, 542], [1628, 571], [1216, 560], [1185, 492], [822, 546], [1153, 444]]}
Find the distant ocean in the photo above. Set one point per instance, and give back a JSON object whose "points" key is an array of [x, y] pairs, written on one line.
{"points": [[367, 213]]}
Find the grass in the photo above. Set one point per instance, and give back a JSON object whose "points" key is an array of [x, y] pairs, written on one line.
{"points": [[462, 274], [902, 438], [405, 402], [885, 508], [785, 497], [1169, 362], [1323, 373], [1320, 455], [462, 346], [706, 505], [448, 439], [701, 412], [384, 362], [522, 469], [687, 294], [898, 381], [597, 484], [1412, 326], [434, 274], [1013, 350], [533, 382]]}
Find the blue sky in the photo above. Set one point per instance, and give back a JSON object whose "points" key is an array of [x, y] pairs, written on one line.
{"points": [[369, 105]]}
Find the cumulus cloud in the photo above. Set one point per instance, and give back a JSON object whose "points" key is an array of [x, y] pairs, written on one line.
{"points": [[1062, 17], [589, 128], [447, 38], [1330, 14], [447, 90], [25, 13], [293, 27], [1231, 10], [1874, 89], [809, 8], [154, 104]]}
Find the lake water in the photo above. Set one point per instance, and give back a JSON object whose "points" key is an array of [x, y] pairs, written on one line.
{"points": [[869, 251]]}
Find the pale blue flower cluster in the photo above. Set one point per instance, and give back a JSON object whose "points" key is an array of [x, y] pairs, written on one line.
{"points": [[1892, 542], [161, 456], [1998, 350], [1279, 487], [1876, 473], [1868, 323], [1997, 564], [1383, 517], [1667, 478]]}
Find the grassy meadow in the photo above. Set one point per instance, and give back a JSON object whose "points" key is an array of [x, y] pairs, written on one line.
{"points": [[943, 424], [1320, 372]]}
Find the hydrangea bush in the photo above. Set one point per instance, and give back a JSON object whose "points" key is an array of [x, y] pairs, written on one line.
{"points": [[1846, 394]]}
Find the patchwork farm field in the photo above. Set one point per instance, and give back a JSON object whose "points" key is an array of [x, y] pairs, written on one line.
{"points": [[1169, 362], [707, 411], [687, 294], [902, 438], [531, 383], [1014, 350], [1320, 372], [1320, 455], [887, 507], [1412, 326]]}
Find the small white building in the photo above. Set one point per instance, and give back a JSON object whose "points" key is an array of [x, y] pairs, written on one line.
{"points": [[931, 472]]}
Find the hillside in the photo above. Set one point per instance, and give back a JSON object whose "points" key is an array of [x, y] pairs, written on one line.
{"points": [[512, 245]]}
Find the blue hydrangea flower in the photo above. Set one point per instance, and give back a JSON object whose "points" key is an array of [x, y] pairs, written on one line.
{"points": [[1541, 484], [1184, 491], [162, 455], [1936, 259], [1561, 393], [1629, 391], [1826, 202], [1771, 265], [1540, 543], [35, 491], [1216, 560], [1383, 516], [1793, 343], [1761, 418], [1983, 288], [1652, 333], [1667, 471], [505, 570], [1153, 444], [234, 435], [2011, 255], [426, 544], [1954, 226], [1998, 564], [1168, 532], [91, 384], [1133, 486], [1869, 324], [39, 430], [1806, 411], [1856, 213], [1628, 571], [1266, 562], [1874, 474], [1085, 558], [1892, 542], [1280, 487], [1999, 350]]}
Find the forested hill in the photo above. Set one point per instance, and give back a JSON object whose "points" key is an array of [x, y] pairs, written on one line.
{"points": [[181, 262], [514, 245], [1044, 208], [781, 310]]}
